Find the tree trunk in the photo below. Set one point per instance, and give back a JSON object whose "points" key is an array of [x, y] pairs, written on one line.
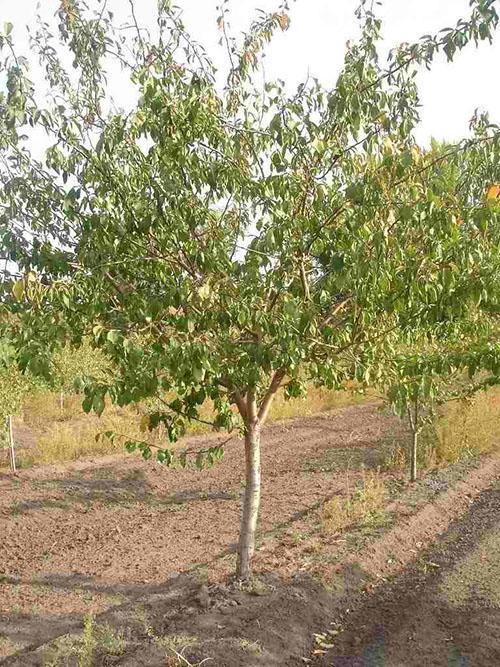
{"points": [[61, 401], [251, 500], [12, 450], [413, 457]]}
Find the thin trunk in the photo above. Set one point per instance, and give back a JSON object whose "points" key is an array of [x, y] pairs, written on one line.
{"points": [[61, 401], [12, 450], [251, 500], [414, 425], [413, 458]]}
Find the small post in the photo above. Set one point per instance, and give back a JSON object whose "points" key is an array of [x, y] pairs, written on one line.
{"points": [[12, 450]]}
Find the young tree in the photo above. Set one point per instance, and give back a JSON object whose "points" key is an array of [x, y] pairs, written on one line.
{"points": [[463, 356], [417, 384], [14, 386], [224, 243], [70, 367]]}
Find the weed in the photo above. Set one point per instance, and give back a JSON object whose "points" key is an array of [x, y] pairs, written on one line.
{"points": [[297, 537], [253, 648], [363, 506], [179, 660], [82, 648], [88, 643], [143, 619], [115, 599], [110, 641], [8, 647], [15, 508], [396, 458], [61, 650], [176, 642], [255, 586], [202, 575]]}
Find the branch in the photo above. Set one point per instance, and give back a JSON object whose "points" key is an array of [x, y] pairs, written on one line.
{"points": [[268, 398]]}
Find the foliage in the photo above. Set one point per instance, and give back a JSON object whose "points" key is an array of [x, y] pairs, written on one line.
{"points": [[72, 365]]}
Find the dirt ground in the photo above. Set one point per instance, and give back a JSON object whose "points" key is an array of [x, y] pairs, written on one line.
{"points": [[444, 609], [148, 551]]}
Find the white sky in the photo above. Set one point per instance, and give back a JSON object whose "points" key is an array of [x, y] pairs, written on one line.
{"points": [[316, 40]]}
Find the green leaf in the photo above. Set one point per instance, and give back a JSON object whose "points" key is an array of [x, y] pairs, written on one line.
{"points": [[113, 336], [18, 290], [98, 404]]}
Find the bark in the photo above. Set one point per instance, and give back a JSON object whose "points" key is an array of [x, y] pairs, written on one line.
{"points": [[414, 424], [413, 457], [12, 450], [251, 500]]}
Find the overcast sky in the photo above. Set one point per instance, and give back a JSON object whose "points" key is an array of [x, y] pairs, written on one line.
{"points": [[316, 40]]}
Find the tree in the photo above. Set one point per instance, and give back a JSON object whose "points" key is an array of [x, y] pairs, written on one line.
{"points": [[464, 355], [72, 365], [226, 243], [417, 384], [14, 386]]}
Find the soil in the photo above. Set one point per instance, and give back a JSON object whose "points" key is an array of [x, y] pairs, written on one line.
{"points": [[149, 551], [443, 609]]}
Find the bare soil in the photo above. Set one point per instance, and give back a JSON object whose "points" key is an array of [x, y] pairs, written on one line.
{"points": [[149, 551], [443, 609]]}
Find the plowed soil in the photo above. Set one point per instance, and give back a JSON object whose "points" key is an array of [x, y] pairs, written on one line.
{"points": [[148, 551]]}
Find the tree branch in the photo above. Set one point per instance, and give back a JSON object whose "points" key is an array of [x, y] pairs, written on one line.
{"points": [[268, 398]]}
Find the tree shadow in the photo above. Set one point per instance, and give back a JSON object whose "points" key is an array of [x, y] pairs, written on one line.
{"points": [[377, 632], [121, 491]]}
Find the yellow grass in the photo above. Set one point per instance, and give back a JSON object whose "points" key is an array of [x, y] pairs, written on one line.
{"points": [[468, 428], [462, 429], [362, 507], [66, 433]]}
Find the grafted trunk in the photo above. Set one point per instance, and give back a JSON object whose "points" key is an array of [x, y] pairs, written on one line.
{"points": [[251, 500]]}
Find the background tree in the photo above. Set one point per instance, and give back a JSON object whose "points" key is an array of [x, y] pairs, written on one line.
{"points": [[71, 366], [463, 355], [14, 387], [226, 243]]}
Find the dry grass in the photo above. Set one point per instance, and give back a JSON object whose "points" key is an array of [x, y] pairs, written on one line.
{"points": [[316, 401], [467, 428], [362, 507], [463, 429], [66, 433]]}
